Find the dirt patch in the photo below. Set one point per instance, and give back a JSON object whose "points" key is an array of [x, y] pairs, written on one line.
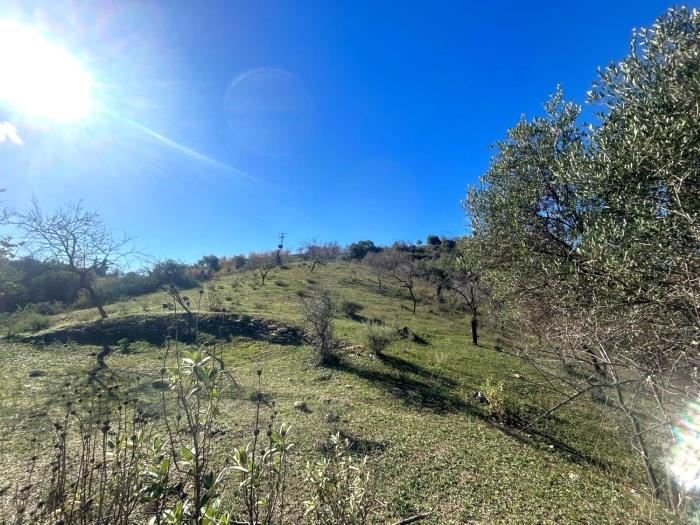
{"points": [[156, 328]]}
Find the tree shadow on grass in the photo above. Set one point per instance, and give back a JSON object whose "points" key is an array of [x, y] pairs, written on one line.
{"points": [[427, 393], [406, 366], [431, 391]]}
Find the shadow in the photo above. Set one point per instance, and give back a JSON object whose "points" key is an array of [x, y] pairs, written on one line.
{"points": [[572, 454], [408, 367], [362, 446], [430, 394], [156, 329]]}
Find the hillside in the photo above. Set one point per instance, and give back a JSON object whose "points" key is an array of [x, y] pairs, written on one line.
{"points": [[432, 446]]}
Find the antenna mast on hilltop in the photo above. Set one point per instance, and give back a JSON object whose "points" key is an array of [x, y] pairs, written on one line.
{"points": [[281, 244]]}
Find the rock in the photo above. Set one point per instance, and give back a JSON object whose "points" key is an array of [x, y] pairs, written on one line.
{"points": [[480, 397], [301, 406], [36, 373], [406, 333], [331, 417]]}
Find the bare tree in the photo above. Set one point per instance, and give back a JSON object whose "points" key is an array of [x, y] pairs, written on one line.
{"points": [[7, 246], [73, 237], [263, 263], [378, 262], [464, 277], [405, 268], [320, 253]]}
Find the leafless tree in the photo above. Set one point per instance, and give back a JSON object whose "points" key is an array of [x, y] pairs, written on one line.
{"points": [[263, 263], [379, 263], [464, 277], [76, 238], [405, 268], [320, 253]]}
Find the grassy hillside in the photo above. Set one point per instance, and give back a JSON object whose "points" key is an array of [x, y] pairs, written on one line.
{"points": [[432, 446]]}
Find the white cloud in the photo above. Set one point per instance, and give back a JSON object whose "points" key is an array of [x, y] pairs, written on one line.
{"points": [[9, 132]]}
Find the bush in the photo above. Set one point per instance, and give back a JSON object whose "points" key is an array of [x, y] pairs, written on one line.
{"points": [[113, 288], [357, 250], [170, 272], [377, 338], [107, 450], [341, 488], [351, 309], [501, 406], [317, 312], [24, 320]]}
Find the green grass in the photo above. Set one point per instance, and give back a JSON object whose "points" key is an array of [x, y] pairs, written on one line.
{"points": [[431, 445]]}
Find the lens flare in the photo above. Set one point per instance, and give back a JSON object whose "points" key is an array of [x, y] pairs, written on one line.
{"points": [[684, 460]]}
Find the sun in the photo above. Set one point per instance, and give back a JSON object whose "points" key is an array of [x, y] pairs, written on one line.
{"points": [[40, 79]]}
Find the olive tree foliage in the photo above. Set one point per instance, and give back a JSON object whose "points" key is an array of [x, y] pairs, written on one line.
{"points": [[591, 234], [210, 263], [73, 237], [357, 250], [263, 263], [320, 253]]}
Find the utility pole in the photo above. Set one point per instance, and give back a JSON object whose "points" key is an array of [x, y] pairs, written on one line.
{"points": [[280, 246]]}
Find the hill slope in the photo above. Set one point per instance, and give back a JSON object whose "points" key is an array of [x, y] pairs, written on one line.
{"points": [[431, 445]]}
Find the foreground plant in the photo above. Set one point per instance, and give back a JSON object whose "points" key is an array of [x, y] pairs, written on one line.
{"points": [[341, 488]]}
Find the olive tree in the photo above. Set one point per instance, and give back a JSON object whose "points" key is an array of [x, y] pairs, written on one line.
{"points": [[593, 233]]}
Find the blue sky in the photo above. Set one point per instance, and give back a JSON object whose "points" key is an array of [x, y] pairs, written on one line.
{"points": [[220, 124]]}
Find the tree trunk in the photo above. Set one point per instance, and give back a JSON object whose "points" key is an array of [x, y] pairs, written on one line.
{"points": [[475, 327], [413, 297], [93, 296], [313, 267], [596, 362], [642, 447], [438, 293]]}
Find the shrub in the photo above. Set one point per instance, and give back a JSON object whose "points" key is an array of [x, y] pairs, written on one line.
{"points": [[357, 250], [214, 298], [341, 492], [377, 338], [26, 319], [108, 452], [317, 312], [31, 322], [501, 406], [351, 309], [170, 272]]}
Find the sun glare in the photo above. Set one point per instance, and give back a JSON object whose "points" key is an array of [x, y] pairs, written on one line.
{"points": [[41, 79]]}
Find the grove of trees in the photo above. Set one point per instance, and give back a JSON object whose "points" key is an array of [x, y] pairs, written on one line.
{"points": [[590, 234]]}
